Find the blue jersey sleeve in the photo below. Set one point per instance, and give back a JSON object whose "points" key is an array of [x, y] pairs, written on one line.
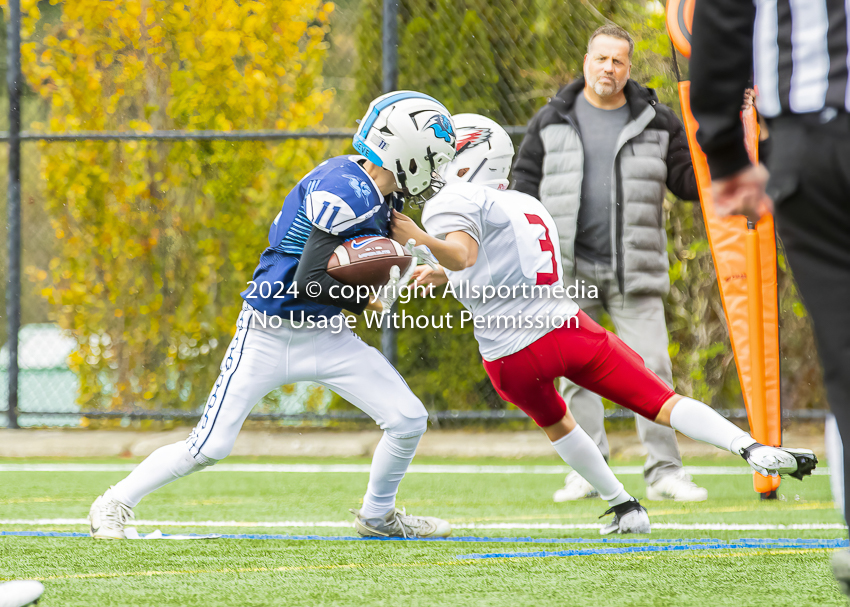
{"points": [[341, 202], [339, 198]]}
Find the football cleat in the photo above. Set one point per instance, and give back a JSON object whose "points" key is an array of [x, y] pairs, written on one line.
{"points": [[397, 523], [575, 488], [20, 593], [678, 487], [775, 461], [629, 517], [108, 517]]}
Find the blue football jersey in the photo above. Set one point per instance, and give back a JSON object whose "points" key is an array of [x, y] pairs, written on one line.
{"points": [[339, 197]]}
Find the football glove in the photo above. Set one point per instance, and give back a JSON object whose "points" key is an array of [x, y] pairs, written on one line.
{"points": [[389, 293], [421, 254]]}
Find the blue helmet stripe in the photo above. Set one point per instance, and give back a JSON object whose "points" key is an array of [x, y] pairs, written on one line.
{"points": [[361, 146], [382, 105], [360, 143]]}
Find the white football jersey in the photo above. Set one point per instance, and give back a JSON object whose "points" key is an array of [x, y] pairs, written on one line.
{"points": [[515, 288]]}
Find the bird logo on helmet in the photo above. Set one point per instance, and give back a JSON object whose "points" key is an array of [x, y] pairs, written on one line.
{"points": [[469, 137], [442, 127], [484, 153], [411, 135]]}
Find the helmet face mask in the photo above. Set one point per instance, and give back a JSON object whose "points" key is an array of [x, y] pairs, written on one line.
{"points": [[437, 184], [412, 136], [484, 153]]}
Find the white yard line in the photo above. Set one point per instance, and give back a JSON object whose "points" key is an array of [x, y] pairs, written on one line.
{"points": [[364, 468], [349, 525]]}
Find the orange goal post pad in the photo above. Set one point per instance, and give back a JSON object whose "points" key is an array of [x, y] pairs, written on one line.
{"points": [[745, 262]]}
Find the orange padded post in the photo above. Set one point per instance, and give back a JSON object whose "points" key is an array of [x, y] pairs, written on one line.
{"points": [[735, 264], [745, 261]]}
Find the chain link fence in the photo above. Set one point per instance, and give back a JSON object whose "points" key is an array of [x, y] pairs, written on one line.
{"points": [[500, 58]]}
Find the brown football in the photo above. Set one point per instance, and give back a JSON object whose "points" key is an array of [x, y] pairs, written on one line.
{"points": [[367, 260]]}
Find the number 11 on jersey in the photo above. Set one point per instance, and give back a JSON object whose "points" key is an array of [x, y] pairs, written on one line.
{"points": [[330, 221]]}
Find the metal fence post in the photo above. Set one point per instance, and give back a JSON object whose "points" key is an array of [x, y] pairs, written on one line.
{"points": [[13, 294], [389, 47]]}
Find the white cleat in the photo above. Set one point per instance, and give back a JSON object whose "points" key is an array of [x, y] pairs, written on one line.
{"points": [[108, 517], [20, 593], [775, 461], [629, 517], [397, 523], [575, 488], [678, 487]]}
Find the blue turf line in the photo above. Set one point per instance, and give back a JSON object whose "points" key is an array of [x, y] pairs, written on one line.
{"points": [[662, 544], [720, 545]]}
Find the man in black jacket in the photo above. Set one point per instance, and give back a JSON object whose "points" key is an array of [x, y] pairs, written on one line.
{"points": [[599, 156], [800, 60]]}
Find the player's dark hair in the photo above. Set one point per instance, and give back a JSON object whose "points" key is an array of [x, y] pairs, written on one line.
{"points": [[615, 31]]}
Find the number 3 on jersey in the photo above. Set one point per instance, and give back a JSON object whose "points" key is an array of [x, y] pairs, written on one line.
{"points": [[546, 246]]}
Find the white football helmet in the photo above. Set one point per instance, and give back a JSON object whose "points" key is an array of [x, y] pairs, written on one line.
{"points": [[410, 134], [484, 153]]}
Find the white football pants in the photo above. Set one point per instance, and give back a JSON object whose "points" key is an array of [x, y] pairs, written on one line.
{"points": [[260, 359]]}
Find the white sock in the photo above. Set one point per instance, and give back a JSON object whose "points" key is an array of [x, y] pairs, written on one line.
{"points": [[390, 462], [700, 422], [161, 467], [579, 451]]}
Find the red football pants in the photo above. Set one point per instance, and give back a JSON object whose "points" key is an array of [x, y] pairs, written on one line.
{"points": [[587, 355]]}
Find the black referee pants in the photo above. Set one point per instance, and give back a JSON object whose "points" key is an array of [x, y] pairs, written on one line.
{"points": [[810, 185]]}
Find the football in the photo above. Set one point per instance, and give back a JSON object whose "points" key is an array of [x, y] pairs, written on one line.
{"points": [[367, 260]]}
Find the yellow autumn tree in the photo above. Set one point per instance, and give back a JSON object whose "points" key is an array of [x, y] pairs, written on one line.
{"points": [[157, 238]]}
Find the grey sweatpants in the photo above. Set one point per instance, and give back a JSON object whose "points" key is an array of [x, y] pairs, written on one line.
{"points": [[639, 321]]}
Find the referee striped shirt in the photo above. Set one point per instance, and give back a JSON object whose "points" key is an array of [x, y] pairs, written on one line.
{"points": [[801, 55], [796, 51]]}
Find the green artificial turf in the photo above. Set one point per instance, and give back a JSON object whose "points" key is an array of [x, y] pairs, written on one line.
{"points": [[242, 572]]}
